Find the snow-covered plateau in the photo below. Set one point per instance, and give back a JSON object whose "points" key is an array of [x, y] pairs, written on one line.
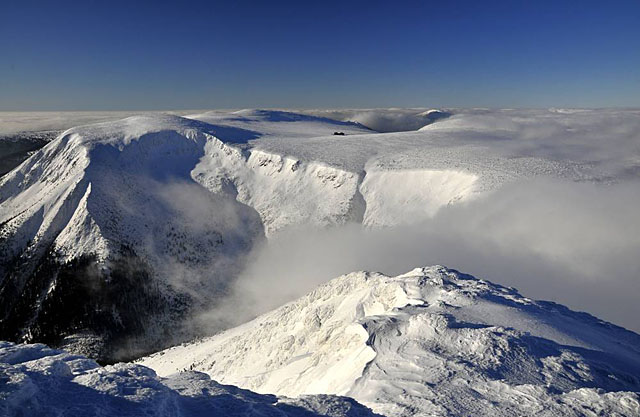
{"points": [[430, 342]]}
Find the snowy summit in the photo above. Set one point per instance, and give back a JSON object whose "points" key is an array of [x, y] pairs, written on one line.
{"points": [[430, 342]]}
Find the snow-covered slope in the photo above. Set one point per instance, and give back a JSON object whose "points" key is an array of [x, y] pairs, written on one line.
{"points": [[165, 208], [297, 172], [162, 208], [103, 232], [385, 120], [37, 381], [429, 342]]}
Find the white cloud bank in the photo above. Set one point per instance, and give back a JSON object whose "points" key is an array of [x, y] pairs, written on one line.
{"points": [[574, 243]]}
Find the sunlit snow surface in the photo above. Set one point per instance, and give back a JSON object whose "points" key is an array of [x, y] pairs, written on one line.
{"points": [[429, 342], [38, 381], [549, 196]]}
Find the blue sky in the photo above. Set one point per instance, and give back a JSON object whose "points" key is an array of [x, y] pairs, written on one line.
{"points": [[206, 54]]}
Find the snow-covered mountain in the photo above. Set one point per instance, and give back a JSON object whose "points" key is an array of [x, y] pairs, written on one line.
{"points": [[430, 342], [297, 172], [112, 234], [38, 381], [105, 237], [115, 232]]}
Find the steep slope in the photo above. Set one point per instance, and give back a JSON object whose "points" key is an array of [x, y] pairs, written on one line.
{"points": [[113, 234], [105, 234], [38, 381], [284, 191], [429, 342]]}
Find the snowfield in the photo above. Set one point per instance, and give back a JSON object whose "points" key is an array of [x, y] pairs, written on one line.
{"points": [[38, 381], [429, 342]]}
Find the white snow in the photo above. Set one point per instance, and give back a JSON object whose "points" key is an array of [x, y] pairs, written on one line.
{"points": [[15, 122], [283, 190], [429, 342], [100, 186], [193, 194], [37, 381], [411, 196], [292, 170], [384, 120]]}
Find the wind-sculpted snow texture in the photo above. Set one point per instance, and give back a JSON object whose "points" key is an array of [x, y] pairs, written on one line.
{"points": [[37, 381], [430, 342]]}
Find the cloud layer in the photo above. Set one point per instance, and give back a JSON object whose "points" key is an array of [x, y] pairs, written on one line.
{"points": [[573, 243]]}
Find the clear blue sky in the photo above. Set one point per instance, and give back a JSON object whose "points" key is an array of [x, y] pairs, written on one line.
{"points": [[58, 55]]}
